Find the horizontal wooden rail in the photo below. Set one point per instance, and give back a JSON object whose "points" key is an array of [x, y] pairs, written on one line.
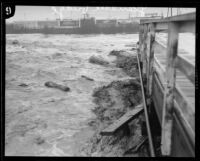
{"points": [[185, 26], [182, 144], [181, 63], [177, 107], [186, 67], [182, 17], [185, 105], [186, 23]]}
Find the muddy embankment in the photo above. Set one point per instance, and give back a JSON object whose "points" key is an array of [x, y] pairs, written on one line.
{"points": [[112, 102]]}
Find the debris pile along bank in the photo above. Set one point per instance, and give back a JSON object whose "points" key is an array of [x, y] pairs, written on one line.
{"points": [[127, 61], [98, 60], [112, 102]]}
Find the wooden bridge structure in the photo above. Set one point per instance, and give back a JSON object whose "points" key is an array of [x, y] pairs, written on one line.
{"points": [[170, 77], [167, 77]]}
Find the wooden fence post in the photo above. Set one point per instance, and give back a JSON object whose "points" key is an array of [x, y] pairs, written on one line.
{"points": [[145, 51], [151, 59], [141, 42], [167, 119]]}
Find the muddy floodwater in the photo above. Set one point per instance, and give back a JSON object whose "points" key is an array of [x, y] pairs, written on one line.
{"points": [[42, 121]]}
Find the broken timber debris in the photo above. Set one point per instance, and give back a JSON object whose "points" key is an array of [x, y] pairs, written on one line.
{"points": [[129, 116], [90, 79], [137, 145], [58, 86]]}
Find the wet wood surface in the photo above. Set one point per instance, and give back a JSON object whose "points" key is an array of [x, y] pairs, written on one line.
{"points": [[111, 129], [182, 81]]}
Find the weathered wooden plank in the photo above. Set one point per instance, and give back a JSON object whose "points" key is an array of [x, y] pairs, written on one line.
{"points": [[151, 147], [192, 100], [167, 119], [151, 59], [183, 108], [180, 103], [184, 123], [182, 146], [185, 26], [136, 145], [182, 63], [160, 71], [182, 17], [140, 42], [186, 107], [160, 50], [147, 56], [162, 26], [185, 85], [158, 97], [144, 68], [186, 67], [110, 130], [182, 99]]}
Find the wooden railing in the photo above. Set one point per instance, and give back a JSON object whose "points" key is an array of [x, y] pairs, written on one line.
{"points": [[161, 82]]}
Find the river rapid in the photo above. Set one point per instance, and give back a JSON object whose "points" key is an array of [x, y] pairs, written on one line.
{"points": [[43, 121]]}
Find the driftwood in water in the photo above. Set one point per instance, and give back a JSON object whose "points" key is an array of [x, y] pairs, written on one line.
{"points": [[58, 86], [15, 42], [23, 85], [90, 79]]}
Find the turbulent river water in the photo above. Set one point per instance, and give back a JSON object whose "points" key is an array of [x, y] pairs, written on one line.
{"points": [[43, 121]]}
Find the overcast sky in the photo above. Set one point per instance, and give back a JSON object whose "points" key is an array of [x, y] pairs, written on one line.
{"points": [[47, 12]]}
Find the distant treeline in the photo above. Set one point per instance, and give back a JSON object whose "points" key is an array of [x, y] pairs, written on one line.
{"points": [[129, 28]]}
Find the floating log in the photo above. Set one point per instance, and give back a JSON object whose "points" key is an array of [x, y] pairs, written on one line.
{"points": [[15, 42], [58, 86], [90, 79], [23, 85]]}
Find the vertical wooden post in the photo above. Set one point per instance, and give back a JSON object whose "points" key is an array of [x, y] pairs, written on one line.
{"points": [[145, 50], [140, 42], [167, 120], [142, 46], [151, 59]]}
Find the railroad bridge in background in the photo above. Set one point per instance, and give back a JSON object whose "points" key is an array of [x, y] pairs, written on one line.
{"points": [[169, 74]]}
